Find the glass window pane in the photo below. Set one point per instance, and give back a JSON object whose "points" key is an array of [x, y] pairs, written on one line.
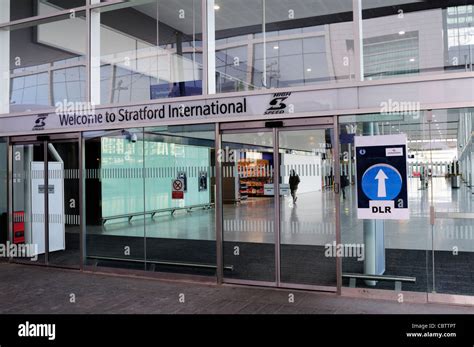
{"points": [[46, 64], [115, 221], [3, 191], [156, 53], [271, 54], [180, 230], [28, 220], [453, 233], [377, 246], [307, 214], [404, 38], [12, 10], [248, 213]]}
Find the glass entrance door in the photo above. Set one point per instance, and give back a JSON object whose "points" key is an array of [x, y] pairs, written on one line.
{"points": [[279, 200], [63, 203], [307, 207], [27, 208], [45, 201], [248, 210], [452, 203]]}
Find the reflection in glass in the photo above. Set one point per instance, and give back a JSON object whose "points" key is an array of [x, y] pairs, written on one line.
{"points": [[248, 211], [22, 9], [46, 64], [307, 219], [114, 188], [28, 189], [156, 53], [416, 37], [3, 191], [391, 247], [133, 218], [180, 232], [63, 204], [300, 43]]}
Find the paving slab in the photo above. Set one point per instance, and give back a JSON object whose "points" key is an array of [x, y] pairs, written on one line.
{"points": [[34, 290]]}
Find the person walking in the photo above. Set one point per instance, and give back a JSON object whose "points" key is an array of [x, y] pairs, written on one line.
{"points": [[294, 181], [344, 184]]}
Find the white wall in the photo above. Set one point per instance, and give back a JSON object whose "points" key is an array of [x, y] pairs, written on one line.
{"points": [[308, 167]]}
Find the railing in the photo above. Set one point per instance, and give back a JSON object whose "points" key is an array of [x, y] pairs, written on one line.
{"points": [[353, 277], [97, 259], [152, 213]]}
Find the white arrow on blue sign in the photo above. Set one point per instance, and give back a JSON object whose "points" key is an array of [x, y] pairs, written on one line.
{"points": [[381, 182], [382, 190]]}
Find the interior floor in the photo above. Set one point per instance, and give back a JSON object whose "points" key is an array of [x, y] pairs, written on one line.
{"points": [[306, 227]]}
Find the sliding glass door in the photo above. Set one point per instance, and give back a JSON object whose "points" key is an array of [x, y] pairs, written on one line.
{"points": [[280, 194], [45, 207]]}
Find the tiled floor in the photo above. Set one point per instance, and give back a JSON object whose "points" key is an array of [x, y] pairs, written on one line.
{"points": [[33, 289], [311, 221]]}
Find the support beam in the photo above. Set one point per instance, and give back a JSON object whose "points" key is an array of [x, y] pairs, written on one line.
{"points": [[374, 234], [4, 58], [210, 48], [94, 47], [358, 40]]}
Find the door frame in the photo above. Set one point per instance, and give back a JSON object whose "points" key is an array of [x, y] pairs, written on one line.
{"points": [[275, 126], [45, 140]]}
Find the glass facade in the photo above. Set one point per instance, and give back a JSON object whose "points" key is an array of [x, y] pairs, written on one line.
{"points": [[436, 254], [279, 44], [13, 10], [158, 52], [133, 219], [155, 54], [46, 63], [110, 53], [3, 191], [392, 247], [403, 38]]}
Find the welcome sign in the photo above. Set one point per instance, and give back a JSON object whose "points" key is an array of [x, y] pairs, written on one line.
{"points": [[163, 113]]}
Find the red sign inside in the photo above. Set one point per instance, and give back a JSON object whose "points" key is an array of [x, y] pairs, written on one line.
{"points": [[177, 189], [177, 195]]}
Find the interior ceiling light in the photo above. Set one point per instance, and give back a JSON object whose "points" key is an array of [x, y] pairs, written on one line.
{"points": [[401, 32], [216, 7]]}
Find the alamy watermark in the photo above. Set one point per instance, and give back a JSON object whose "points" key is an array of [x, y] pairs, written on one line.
{"points": [[229, 155], [346, 250], [19, 250], [28, 329], [77, 108], [406, 108]]}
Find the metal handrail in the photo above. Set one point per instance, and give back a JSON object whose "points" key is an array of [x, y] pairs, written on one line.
{"points": [[153, 212], [380, 277], [170, 263], [397, 279]]}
